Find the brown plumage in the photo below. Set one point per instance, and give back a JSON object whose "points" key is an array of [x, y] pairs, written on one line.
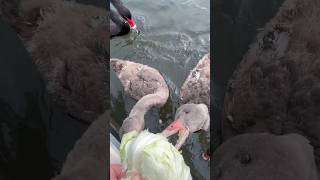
{"points": [[68, 43], [193, 115], [144, 84], [196, 88], [276, 87]]}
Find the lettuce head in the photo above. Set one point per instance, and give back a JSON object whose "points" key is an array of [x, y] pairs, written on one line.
{"points": [[152, 156]]}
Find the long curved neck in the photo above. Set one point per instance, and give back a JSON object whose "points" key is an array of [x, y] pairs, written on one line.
{"points": [[117, 20], [116, 3], [120, 28], [120, 7], [147, 102], [135, 120]]}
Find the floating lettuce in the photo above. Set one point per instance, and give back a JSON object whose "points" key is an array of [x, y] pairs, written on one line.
{"points": [[152, 156]]}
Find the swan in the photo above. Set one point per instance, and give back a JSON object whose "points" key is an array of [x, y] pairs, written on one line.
{"points": [[196, 88], [276, 87], [144, 84], [194, 114], [118, 26], [121, 21], [265, 156], [67, 42]]}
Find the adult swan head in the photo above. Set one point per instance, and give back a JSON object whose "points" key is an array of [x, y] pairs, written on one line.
{"points": [[121, 21]]}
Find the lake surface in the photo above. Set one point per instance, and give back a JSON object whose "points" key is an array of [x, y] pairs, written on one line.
{"points": [[173, 35]]}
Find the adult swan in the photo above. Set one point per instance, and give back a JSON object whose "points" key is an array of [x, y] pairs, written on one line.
{"points": [[121, 21]]}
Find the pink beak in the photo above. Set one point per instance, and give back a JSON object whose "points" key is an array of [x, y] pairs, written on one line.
{"points": [[177, 127], [173, 128], [131, 23]]}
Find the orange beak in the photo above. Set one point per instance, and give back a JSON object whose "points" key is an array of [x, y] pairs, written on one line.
{"points": [[177, 127]]}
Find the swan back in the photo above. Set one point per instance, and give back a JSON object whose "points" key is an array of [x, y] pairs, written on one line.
{"points": [[139, 80], [196, 88]]}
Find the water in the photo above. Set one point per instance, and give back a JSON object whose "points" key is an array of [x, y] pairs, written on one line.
{"points": [[172, 36]]}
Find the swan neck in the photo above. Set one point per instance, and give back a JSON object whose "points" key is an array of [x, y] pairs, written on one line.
{"points": [[135, 120], [146, 103]]}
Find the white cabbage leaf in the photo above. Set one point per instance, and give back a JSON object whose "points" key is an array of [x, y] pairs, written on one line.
{"points": [[152, 156]]}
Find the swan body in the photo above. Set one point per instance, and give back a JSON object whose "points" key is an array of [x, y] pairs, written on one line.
{"points": [[121, 21], [196, 88], [276, 87], [144, 84], [193, 115], [66, 40]]}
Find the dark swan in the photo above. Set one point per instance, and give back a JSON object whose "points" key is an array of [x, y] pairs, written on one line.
{"points": [[121, 21], [276, 87], [67, 42]]}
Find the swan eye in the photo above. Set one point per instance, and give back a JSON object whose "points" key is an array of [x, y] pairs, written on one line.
{"points": [[244, 158], [187, 112]]}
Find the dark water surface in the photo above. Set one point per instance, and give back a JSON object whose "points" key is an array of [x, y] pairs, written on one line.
{"points": [[172, 37]]}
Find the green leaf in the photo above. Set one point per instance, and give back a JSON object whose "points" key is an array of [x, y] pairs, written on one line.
{"points": [[153, 157]]}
